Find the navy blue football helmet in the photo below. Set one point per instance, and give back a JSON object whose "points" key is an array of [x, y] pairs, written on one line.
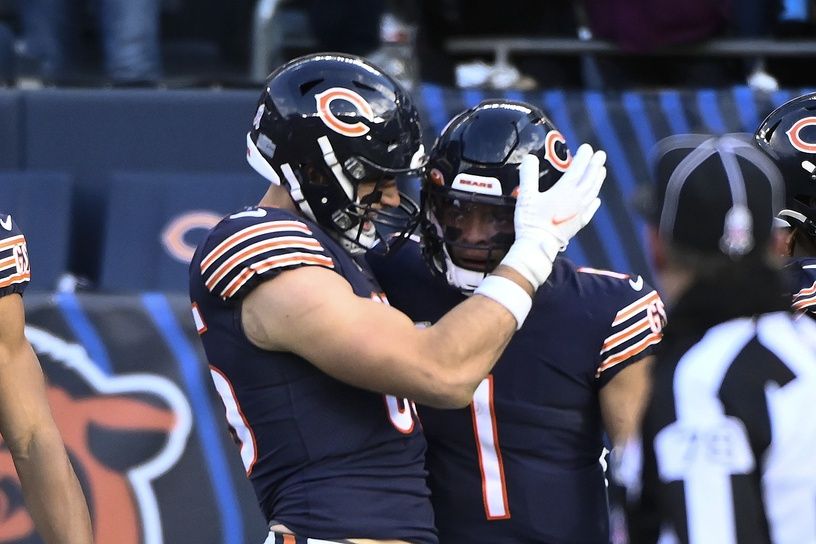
{"points": [[326, 123], [472, 175], [788, 135]]}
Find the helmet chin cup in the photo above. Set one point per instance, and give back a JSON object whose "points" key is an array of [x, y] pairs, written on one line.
{"points": [[463, 279]]}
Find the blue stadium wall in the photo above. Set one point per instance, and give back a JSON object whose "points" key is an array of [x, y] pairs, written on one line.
{"points": [[118, 187]]}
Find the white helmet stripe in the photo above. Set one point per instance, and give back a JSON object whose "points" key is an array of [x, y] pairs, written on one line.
{"points": [[297, 192], [337, 170]]}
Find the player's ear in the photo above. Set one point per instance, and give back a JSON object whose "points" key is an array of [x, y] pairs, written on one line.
{"points": [[783, 241], [657, 248]]}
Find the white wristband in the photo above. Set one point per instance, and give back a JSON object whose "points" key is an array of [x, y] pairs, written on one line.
{"points": [[507, 293], [533, 259]]}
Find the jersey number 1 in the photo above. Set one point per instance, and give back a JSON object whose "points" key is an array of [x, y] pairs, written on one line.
{"points": [[494, 489], [401, 413]]}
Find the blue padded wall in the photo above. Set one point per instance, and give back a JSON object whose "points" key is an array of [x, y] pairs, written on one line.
{"points": [[40, 203], [155, 221]]}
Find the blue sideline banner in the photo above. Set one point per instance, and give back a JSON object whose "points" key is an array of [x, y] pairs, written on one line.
{"points": [[130, 391]]}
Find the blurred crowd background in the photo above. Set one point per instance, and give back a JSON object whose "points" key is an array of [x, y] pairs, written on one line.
{"points": [[186, 43]]}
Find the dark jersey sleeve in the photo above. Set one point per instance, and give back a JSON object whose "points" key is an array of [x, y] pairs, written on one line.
{"points": [[802, 273], [15, 272], [637, 323], [254, 245]]}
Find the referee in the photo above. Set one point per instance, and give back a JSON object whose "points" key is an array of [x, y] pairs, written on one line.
{"points": [[727, 449]]}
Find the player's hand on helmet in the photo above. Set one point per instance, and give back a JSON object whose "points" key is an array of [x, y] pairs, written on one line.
{"points": [[546, 221]]}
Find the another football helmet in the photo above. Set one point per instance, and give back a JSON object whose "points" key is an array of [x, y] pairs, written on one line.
{"points": [[325, 123], [469, 187], [788, 135]]}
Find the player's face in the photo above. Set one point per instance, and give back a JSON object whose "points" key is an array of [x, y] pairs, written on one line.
{"points": [[388, 197], [477, 235], [377, 195]]}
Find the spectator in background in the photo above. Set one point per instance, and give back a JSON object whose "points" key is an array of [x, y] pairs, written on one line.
{"points": [[128, 30], [440, 20], [351, 26], [644, 26], [776, 19]]}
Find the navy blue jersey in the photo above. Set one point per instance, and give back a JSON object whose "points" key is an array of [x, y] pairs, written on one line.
{"points": [[326, 459], [802, 272], [521, 464], [15, 272]]}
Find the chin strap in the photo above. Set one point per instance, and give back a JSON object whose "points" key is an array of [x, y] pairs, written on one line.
{"points": [[296, 192]]}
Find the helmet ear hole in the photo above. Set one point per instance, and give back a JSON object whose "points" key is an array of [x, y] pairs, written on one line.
{"points": [[314, 176]]}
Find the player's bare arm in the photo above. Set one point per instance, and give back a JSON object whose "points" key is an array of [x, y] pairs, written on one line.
{"points": [[52, 493], [624, 398], [376, 347], [373, 346]]}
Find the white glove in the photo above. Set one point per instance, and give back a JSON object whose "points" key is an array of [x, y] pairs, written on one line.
{"points": [[545, 222]]}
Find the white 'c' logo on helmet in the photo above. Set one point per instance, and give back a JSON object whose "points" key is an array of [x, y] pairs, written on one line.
{"points": [[796, 140], [558, 163], [353, 130]]}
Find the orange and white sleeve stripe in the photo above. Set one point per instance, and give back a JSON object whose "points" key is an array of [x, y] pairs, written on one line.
{"points": [[277, 261], [258, 249], [255, 231], [805, 300], [634, 330], [9, 273]]}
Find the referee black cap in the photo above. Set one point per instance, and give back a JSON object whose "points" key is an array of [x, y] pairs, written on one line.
{"points": [[713, 194]]}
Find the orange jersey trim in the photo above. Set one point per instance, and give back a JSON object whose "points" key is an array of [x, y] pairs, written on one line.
{"points": [[243, 418], [8, 243], [640, 304], [250, 232], [626, 334], [609, 362], [16, 278], [283, 242], [804, 304], [7, 263], [274, 262]]}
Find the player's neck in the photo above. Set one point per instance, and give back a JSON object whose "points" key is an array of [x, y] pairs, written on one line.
{"points": [[278, 197]]}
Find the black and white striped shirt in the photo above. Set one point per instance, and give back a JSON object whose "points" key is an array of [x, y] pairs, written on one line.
{"points": [[727, 452]]}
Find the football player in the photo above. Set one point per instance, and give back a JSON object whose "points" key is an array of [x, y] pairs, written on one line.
{"points": [[788, 135], [520, 464], [311, 363], [50, 487]]}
